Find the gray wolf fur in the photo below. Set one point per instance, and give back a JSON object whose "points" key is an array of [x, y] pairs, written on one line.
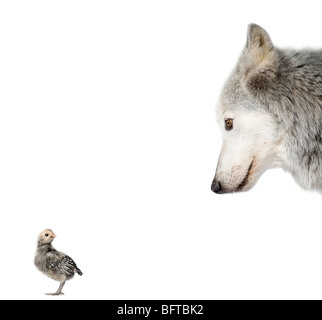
{"points": [[270, 115]]}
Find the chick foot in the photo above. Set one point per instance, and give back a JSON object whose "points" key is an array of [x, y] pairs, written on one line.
{"points": [[55, 294]]}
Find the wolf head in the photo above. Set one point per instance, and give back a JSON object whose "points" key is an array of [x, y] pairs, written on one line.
{"points": [[249, 130]]}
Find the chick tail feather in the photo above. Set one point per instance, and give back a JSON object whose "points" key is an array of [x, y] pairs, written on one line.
{"points": [[79, 272]]}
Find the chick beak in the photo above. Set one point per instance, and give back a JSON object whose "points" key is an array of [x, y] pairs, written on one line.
{"points": [[53, 236]]}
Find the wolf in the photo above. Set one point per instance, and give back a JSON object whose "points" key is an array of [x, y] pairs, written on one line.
{"points": [[270, 115]]}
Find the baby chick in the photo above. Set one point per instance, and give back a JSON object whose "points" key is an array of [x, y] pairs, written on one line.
{"points": [[53, 263]]}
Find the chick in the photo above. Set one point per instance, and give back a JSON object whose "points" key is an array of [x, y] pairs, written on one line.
{"points": [[53, 263]]}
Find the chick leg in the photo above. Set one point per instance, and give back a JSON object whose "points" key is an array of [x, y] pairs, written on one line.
{"points": [[59, 291]]}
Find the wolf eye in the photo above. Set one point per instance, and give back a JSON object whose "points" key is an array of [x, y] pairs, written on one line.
{"points": [[228, 124]]}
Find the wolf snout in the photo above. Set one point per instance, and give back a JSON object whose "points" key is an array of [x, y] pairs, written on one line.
{"points": [[216, 186]]}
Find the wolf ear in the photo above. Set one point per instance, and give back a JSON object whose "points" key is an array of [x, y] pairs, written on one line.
{"points": [[259, 61], [259, 46]]}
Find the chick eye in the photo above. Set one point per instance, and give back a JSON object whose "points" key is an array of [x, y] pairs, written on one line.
{"points": [[228, 124], [46, 234]]}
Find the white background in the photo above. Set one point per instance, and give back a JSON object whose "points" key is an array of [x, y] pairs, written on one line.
{"points": [[108, 136]]}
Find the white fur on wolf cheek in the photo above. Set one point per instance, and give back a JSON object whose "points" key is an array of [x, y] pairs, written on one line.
{"points": [[253, 137]]}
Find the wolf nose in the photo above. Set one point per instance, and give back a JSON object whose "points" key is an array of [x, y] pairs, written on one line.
{"points": [[216, 187]]}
